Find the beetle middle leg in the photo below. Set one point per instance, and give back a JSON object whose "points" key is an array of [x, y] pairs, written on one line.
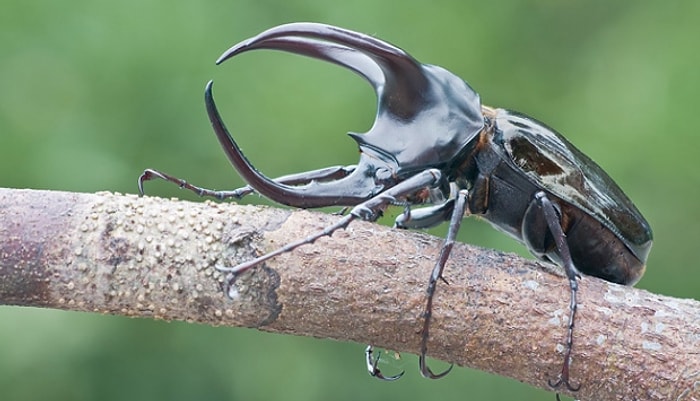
{"points": [[372, 368], [554, 224], [458, 208], [424, 217]]}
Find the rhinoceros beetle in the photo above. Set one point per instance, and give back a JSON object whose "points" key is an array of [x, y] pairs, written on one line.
{"points": [[433, 143]]}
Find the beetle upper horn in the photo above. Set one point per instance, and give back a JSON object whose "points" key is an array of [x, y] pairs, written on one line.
{"points": [[398, 78]]}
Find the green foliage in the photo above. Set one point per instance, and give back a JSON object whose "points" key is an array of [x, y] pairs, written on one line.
{"points": [[93, 92]]}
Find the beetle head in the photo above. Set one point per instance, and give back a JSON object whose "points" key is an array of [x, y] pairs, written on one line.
{"points": [[426, 115]]}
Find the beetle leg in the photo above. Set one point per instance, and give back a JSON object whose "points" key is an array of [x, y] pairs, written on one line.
{"points": [[369, 210], [150, 174], [459, 207], [324, 174], [425, 217], [554, 224], [372, 368]]}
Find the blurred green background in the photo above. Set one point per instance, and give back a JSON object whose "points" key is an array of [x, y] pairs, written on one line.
{"points": [[93, 92]]}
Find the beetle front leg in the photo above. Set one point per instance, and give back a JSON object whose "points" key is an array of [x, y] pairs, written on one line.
{"points": [[150, 174], [554, 224], [323, 174], [369, 210]]}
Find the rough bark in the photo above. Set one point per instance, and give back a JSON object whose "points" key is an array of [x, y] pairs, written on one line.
{"points": [[156, 258]]}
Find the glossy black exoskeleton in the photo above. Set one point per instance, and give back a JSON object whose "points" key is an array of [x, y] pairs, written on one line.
{"points": [[434, 144]]}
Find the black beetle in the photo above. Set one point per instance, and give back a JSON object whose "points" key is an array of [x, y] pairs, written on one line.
{"points": [[434, 143]]}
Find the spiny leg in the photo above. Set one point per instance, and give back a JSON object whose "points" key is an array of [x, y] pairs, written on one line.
{"points": [[150, 174], [459, 208], [368, 210], [328, 231], [372, 368], [553, 222], [324, 174], [320, 175]]}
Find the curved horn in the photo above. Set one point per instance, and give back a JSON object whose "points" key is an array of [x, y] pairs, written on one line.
{"points": [[341, 55], [348, 191], [398, 79]]}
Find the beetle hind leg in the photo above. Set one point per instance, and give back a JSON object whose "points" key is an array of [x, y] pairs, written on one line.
{"points": [[553, 223]]}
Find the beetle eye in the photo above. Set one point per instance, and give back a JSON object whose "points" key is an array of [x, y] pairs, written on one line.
{"points": [[384, 176]]}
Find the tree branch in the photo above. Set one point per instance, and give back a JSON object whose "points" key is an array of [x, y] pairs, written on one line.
{"points": [[156, 258]]}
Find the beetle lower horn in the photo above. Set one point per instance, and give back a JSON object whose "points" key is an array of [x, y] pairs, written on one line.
{"points": [[398, 79], [354, 188]]}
